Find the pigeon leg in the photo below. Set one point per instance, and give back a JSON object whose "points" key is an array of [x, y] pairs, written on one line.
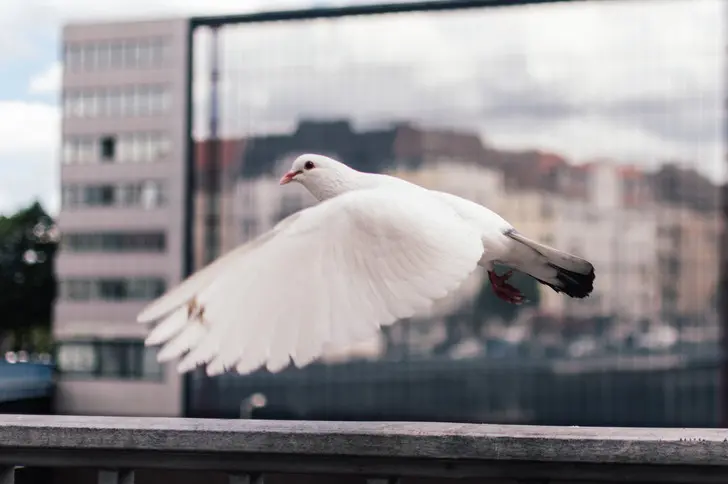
{"points": [[503, 290]]}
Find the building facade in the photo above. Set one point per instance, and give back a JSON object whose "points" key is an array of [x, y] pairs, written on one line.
{"points": [[123, 214], [616, 231], [689, 261]]}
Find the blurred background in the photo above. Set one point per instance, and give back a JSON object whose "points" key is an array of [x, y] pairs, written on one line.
{"points": [[139, 145]]}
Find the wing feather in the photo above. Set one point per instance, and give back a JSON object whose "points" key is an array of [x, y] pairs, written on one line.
{"points": [[330, 277], [186, 290]]}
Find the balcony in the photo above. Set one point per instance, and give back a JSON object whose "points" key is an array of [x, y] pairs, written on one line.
{"points": [[118, 450]]}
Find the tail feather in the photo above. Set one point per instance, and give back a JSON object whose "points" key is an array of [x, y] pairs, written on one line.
{"points": [[574, 276], [571, 283]]}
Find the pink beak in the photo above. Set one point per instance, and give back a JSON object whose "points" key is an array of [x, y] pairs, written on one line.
{"points": [[288, 177]]}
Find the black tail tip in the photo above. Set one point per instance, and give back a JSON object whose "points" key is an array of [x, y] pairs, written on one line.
{"points": [[574, 284]]}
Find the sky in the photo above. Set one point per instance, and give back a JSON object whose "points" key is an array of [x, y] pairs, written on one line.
{"points": [[636, 81]]}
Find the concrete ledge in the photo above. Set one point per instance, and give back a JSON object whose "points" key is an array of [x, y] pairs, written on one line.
{"points": [[385, 439], [665, 455]]}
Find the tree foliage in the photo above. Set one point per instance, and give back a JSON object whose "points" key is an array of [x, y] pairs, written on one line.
{"points": [[28, 245]]}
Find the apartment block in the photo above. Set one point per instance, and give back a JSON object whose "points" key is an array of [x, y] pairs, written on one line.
{"points": [[123, 212]]}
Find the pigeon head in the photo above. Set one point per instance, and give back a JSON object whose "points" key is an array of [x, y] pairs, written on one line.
{"points": [[324, 177]]}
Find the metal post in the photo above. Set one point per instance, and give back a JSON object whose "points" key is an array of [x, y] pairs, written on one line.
{"points": [[210, 184], [188, 223], [722, 306], [212, 167], [722, 289]]}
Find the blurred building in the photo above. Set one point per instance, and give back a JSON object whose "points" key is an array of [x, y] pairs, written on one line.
{"points": [[653, 238], [617, 232], [600, 211], [603, 211], [123, 212], [689, 261], [256, 201], [223, 218], [689, 231]]}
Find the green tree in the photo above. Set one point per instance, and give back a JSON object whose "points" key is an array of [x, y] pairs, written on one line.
{"points": [[28, 245]]}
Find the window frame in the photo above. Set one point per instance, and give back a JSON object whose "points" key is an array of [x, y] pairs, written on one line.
{"points": [[154, 242], [117, 54], [92, 288], [133, 362]]}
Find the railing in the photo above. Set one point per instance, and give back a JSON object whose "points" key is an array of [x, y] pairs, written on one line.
{"points": [[375, 452], [678, 390]]}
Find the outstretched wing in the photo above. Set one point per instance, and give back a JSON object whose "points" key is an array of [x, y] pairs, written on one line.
{"points": [[330, 275], [187, 289]]}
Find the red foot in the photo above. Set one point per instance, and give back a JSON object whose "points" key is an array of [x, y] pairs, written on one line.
{"points": [[503, 290]]}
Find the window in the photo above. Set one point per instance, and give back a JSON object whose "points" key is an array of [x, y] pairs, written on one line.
{"points": [[108, 148], [76, 290], [116, 55], [129, 195], [89, 57], [119, 54], [70, 196], [157, 52], [73, 104], [73, 57], [147, 194], [158, 99], [124, 359], [136, 150], [112, 289], [115, 242], [137, 100], [103, 57], [135, 147], [91, 104], [114, 103], [131, 54], [77, 358], [140, 100], [78, 150], [99, 195], [152, 195]]}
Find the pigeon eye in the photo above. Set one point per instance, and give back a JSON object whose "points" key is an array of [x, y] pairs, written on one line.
{"points": [[309, 165]]}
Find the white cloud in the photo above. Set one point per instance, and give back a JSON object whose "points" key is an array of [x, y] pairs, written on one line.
{"points": [[22, 20], [30, 132], [28, 154], [48, 81], [640, 81], [636, 80]]}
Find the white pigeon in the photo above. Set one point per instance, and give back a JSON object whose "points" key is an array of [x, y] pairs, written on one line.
{"points": [[375, 250]]}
